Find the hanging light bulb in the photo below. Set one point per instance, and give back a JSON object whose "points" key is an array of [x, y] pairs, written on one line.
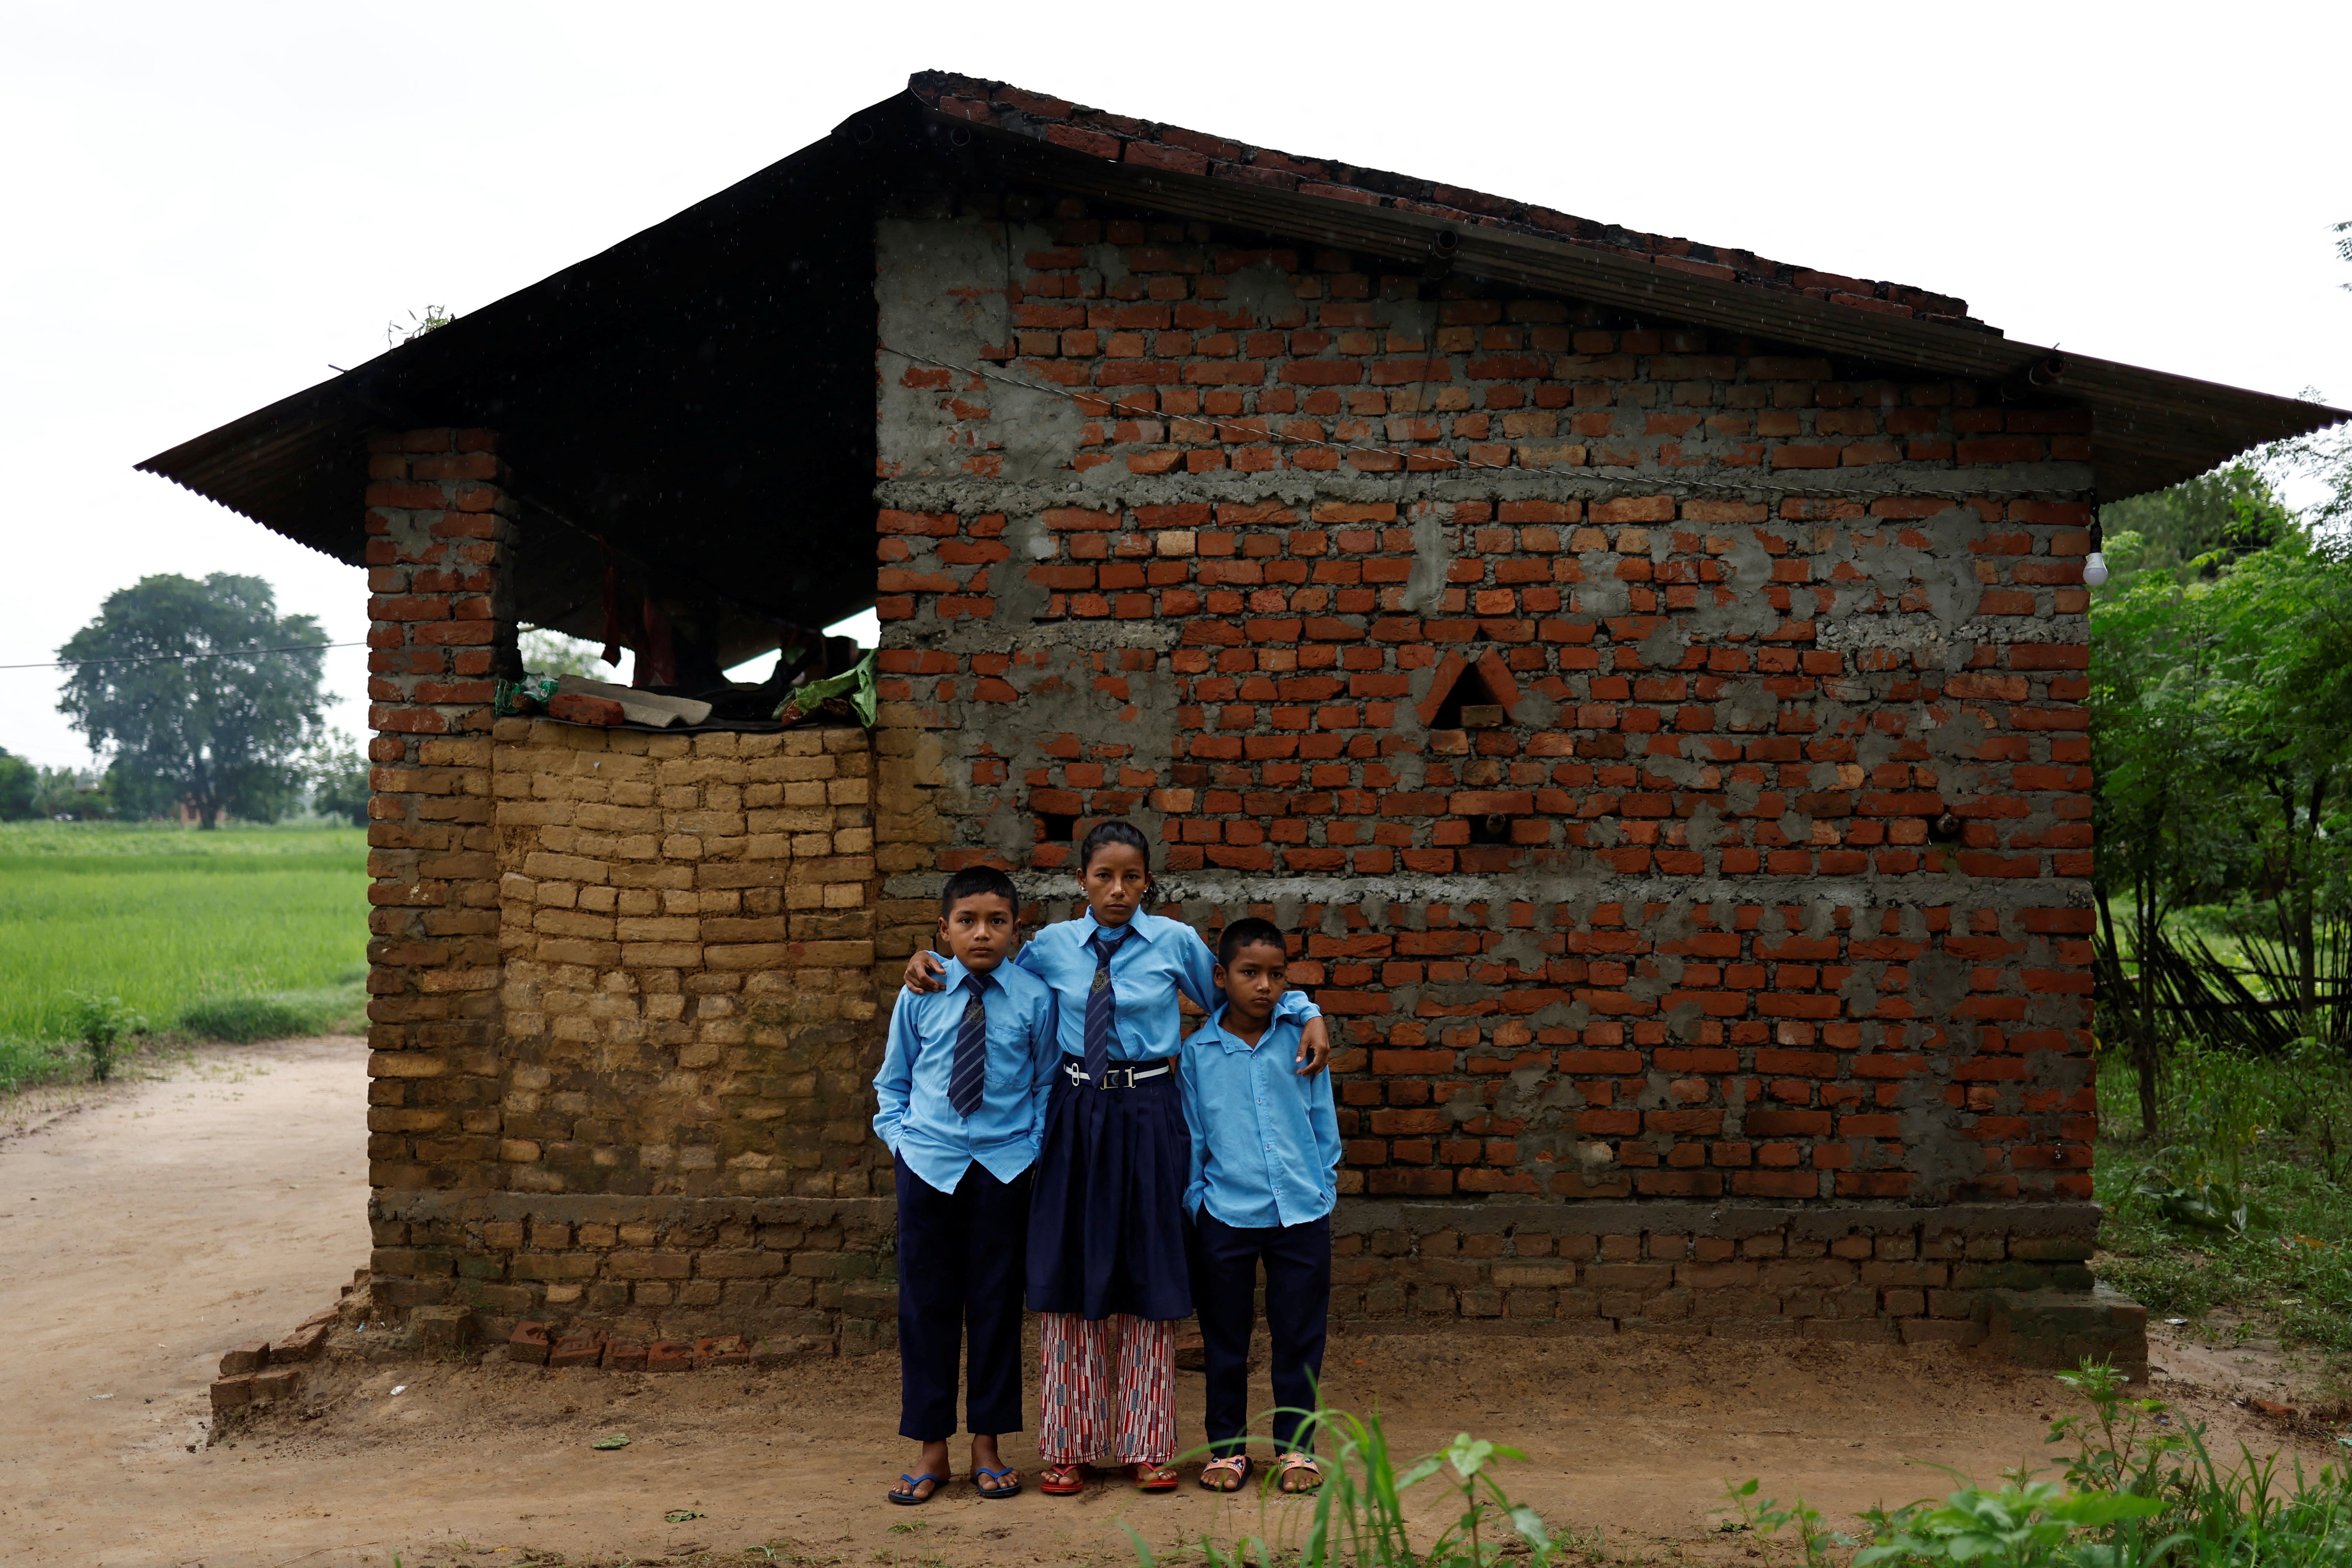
{"points": [[2094, 569]]}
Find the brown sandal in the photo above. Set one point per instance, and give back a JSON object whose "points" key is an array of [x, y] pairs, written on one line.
{"points": [[1151, 1477], [1229, 1474], [1294, 1465]]}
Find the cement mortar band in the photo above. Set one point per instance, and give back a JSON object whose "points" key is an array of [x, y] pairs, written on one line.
{"points": [[1826, 1222], [2019, 481], [1203, 894], [1831, 630]]}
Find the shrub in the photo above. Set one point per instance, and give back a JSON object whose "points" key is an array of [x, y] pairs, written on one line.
{"points": [[101, 1022]]}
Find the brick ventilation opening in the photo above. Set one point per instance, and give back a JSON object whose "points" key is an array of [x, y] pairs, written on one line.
{"points": [[1471, 702]]}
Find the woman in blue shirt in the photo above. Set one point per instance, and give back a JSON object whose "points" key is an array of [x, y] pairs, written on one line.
{"points": [[1108, 1272]]}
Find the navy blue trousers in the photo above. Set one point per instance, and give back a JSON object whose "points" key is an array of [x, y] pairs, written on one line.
{"points": [[1225, 1261], [960, 1268]]}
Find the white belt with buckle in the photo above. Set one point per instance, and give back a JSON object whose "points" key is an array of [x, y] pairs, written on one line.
{"points": [[1115, 1077]]}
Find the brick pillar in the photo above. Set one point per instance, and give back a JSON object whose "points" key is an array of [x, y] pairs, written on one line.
{"points": [[440, 539]]}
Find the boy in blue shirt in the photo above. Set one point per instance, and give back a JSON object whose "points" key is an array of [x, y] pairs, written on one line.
{"points": [[1265, 1163], [962, 1103]]}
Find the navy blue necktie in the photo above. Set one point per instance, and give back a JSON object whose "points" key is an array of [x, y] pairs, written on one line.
{"points": [[968, 1075], [1102, 1008]]}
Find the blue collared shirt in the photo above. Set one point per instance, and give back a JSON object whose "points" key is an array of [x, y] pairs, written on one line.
{"points": [[1265, 1137], [914, 1117], [1158, 960]]}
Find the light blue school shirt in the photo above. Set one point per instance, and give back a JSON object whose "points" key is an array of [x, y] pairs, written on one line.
{"points": [[914, 1118], [1265, 1137], [1158, 960]]}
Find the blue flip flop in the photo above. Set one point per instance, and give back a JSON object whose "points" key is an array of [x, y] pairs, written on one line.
{"points": [[907, 1498], [996, 1492]]}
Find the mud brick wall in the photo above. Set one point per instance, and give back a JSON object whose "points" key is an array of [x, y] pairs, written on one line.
{"points": [[686, 926], [790, 1273], [1762, 882], [623, 995]]}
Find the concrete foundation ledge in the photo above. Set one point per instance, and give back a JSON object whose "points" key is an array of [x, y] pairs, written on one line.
{"points": [[2062, 1328]]}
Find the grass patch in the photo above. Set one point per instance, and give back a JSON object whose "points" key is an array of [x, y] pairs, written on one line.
{"points": [[24, 1063], [245, 1019], [2241, 1206], [213, 933]]}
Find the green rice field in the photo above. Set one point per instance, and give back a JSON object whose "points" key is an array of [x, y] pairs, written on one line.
{"points": [[236, 933]]}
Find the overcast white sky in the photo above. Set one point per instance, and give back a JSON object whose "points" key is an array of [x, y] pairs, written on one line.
{"points": [[211, 204]]}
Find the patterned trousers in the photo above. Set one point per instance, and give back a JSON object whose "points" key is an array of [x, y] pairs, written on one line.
{"points": [[1110, 1386]]}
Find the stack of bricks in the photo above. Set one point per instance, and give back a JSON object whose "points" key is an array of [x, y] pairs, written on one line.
{"points": [[439, 542], [261, 1373]]}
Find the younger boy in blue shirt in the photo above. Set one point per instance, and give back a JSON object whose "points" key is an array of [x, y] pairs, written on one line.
{"points": [[1264, 1177], [962, 1103]]}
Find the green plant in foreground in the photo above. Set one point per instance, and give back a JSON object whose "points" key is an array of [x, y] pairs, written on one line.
{"points": [[1357, 1517], [102, 1021], [2023, 1524], [2136, 1495]]}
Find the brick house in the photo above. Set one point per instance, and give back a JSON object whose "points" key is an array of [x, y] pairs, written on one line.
{"points": [[1647, 678]]}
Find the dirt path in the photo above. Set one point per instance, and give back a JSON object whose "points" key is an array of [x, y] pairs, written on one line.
{"points": [[157, 1225]]}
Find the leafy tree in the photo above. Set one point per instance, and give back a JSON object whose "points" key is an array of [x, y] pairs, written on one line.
{"points": [[553, 653], [2156, 767], [138, 797], [2324, 457], [2280, 708], [2169, 530], [20, 784], [338, 775], [62, 792], [178, 679]]}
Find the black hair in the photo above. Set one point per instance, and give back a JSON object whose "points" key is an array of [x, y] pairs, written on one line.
{"points": [[1118, 832], [1249, 932], [979, 882]]}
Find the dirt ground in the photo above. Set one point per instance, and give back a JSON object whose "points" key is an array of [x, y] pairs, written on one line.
{"points": [[145, 1230]]}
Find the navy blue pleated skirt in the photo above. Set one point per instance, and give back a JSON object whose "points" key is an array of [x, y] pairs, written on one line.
{"points": [[1106, 1214]]}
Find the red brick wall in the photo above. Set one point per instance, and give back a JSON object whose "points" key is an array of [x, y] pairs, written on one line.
{"points": [[439, 532], [1681, 928]]}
